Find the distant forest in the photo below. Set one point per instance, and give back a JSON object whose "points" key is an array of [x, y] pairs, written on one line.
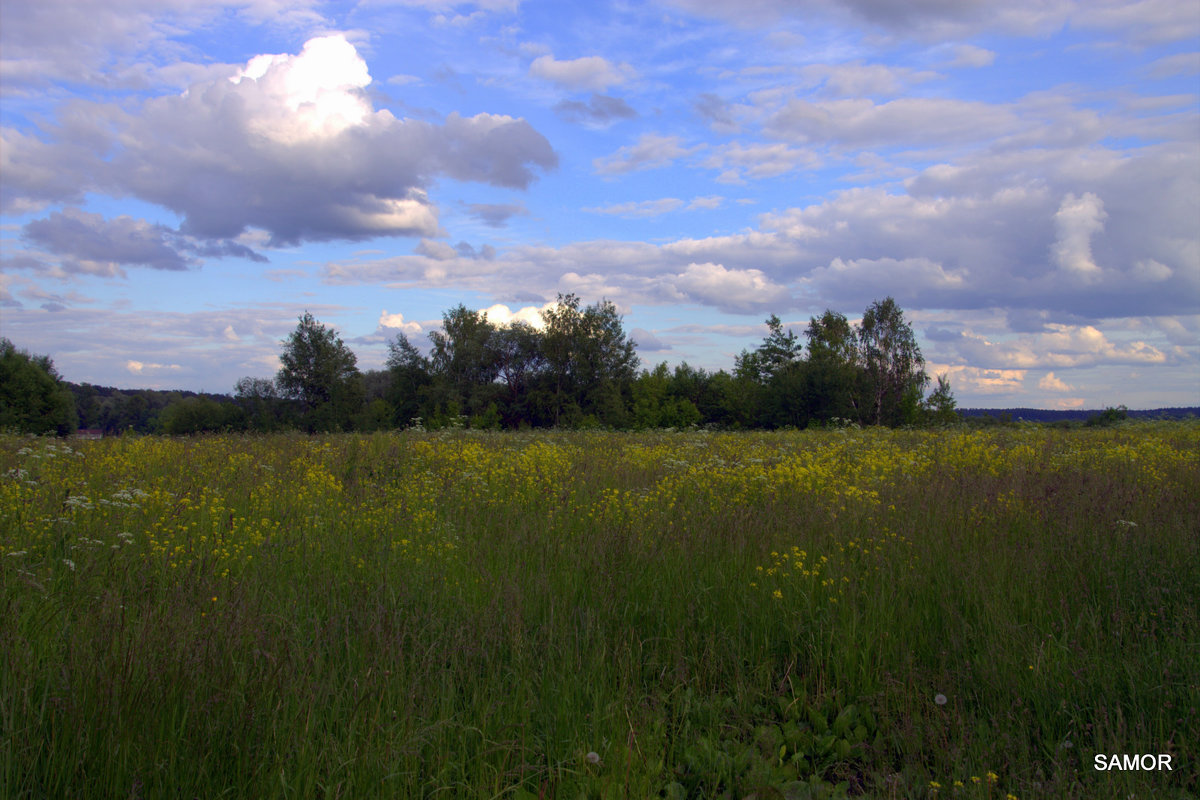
{"points": [[578, 370]]}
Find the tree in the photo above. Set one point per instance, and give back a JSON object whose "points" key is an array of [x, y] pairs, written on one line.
{"points": [[939, 406], [463, 361], [590, 364], [895, 369], [261, 403], [32, 397], [517, 349], [833, 378], [201, 414], [322, 373], [410, 378]]}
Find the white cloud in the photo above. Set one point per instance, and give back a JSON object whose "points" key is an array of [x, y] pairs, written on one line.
{"points": [[1178, 64], [500, 314], [1077, 220], [1051, 383], [981, 381], [639, 209], [708, 202], [396, 322], [285, 147], [1151, 270], [740, 162], [652, 151], [914, 121], [141, 367], [592, 73], [857, 79], [314, 95], [968, 55], [732, 290], [1060, 347], [122, 43]]}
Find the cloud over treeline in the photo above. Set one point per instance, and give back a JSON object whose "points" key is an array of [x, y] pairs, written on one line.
{"points": [[288, 144]]}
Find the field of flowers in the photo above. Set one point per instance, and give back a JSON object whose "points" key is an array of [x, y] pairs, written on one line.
{"points": [[952, 614]]}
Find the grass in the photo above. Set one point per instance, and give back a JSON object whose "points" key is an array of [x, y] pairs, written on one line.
{"points": [[792, 615]]}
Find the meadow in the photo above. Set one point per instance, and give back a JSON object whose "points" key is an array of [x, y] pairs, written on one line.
{"points": [[880, 613]]}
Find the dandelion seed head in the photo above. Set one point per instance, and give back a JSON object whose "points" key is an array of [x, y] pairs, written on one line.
{"points": [[940, 699]]}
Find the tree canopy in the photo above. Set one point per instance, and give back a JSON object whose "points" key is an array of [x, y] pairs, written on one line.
{"points": [[322, 374], [577, 368], [32, 397]]}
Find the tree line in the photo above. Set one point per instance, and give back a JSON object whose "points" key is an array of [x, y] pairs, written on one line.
{"points": [[579, 369]]}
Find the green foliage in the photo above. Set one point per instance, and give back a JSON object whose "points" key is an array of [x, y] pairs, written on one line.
{"points": [[321, 373], [1108, 417], [32, 397], [939, 407], [830, 613], [201, 415], [894, 367]]}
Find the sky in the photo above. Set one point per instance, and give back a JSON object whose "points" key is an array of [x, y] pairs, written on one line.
{"points": [[181, 180]]}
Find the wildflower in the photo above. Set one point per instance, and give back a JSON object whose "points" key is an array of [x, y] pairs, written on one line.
{"points": [[992, 777], [934, 785], [778, 595], [70, 564], [940, 699]]}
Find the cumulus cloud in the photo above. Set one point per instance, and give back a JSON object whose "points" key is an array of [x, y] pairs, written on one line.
{"points": [[910, 280], [639, 209], [647, 342], [732, 290], [120, 43], [739, 163], [592, 73], [708, 202], [1178, 64], [141, 367], [717, 112], [496, 215], [1077, 220], [857, 79], [1052, 383], [968, 55], [1061, 346], [500, 314], [395, 322], [600, 111], [288, 144], [982, 381], [650, 152], [915, 121], [90, 244]]}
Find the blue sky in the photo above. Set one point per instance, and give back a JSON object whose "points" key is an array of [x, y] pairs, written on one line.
{"points": [[180, 180]]}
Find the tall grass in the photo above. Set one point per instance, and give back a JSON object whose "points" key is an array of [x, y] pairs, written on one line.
{"points": [[879, 613]]}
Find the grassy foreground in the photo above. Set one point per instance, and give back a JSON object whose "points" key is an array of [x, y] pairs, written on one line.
{"points": [[883, 613]]}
